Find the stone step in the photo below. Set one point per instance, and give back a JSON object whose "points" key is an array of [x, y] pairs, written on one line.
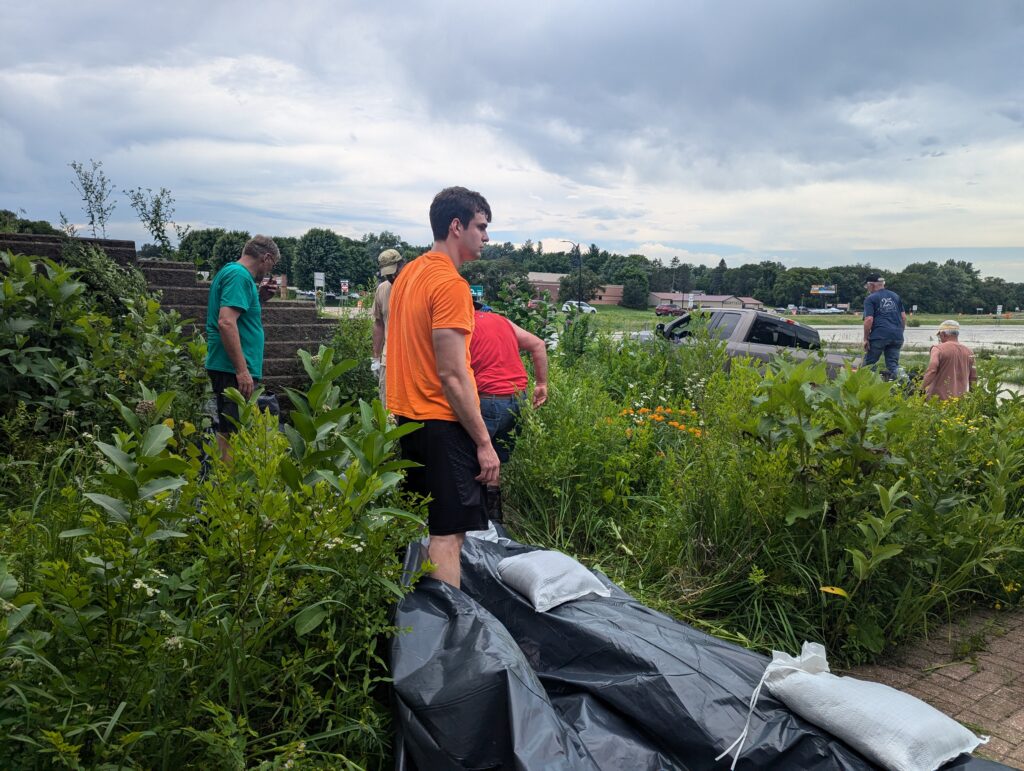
{"points": [[158, 275], [277, 383], [169, 264], [300, 334], [272, 312]]}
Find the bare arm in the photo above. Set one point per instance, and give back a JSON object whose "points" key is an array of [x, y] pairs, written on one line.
{"points": [[868, 323], [378, 338], [972, 377], [538, 351], [933, 369], [903, 319], [450, 353], [227, 325]]}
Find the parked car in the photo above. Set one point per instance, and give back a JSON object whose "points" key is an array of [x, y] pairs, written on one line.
{"points": [[669, 309], [578, 305], [758, 335], [534, 304]]}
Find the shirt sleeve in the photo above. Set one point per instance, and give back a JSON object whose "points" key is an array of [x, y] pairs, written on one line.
{"points": [[236, 290], [869, 306], [932, 370], [451, 307]]}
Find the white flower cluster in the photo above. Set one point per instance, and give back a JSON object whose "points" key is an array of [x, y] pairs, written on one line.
{"points": [[140, 584]]}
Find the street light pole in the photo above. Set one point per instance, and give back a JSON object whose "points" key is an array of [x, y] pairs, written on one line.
{"points": [[579, 256]]}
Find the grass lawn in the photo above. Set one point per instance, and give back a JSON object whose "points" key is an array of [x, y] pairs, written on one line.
{"points": [[924, 319]]}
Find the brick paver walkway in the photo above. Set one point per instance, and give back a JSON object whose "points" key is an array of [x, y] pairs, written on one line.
{"points": [[974, 672]]}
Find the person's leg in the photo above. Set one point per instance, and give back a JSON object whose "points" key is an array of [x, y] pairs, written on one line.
{"points": [[382, 385], [892, 356], [874, 353], [500, 416], [225, 409], [445, 551], [447, 474]]}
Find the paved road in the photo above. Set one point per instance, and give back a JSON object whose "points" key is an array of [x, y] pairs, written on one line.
{"points": [[982, 688]]}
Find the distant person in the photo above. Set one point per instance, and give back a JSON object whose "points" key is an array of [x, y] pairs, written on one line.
{"points": [[234, 328], [390, 262], [429, 379], [950, 371], [884, 322], [501, 383]]}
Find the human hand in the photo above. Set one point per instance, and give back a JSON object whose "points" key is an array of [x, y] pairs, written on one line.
{"points": [[490, 466], [245, 384], [540, 394], [867, 345], [268, 288]]}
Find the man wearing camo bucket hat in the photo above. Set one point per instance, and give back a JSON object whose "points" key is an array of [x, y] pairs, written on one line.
{"points": [[950, 370]]}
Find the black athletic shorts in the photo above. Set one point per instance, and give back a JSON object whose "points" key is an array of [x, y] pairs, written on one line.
{"points": [[225, 407], [447, 474]]}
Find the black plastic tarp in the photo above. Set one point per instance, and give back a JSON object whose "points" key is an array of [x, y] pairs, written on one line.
{"points": [[483, 681]]}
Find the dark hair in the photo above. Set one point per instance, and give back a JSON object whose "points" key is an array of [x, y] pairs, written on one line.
{"points": [[455, 202], [259, 247]]}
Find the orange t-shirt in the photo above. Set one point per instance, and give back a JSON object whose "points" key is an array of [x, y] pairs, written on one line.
{"points": [[428, 294]]}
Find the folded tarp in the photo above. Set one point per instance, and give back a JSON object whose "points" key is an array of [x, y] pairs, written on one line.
{"points": [[482, 680]]}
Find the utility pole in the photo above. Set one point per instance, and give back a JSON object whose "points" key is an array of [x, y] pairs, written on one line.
{"points": [[579, 257]]}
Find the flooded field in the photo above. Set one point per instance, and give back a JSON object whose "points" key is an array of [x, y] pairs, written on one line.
{"points": [[993, 337]]}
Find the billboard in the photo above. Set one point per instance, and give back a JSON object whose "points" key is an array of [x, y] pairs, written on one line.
{"points": [[823, 288], [477, 291]]}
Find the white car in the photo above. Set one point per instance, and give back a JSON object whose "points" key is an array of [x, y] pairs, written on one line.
{"points": [[577, 305]]}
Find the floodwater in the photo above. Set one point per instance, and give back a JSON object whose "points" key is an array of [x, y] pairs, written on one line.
{"points": [[1007, 338]]}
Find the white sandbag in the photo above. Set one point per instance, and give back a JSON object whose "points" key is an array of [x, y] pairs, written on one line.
{"points": [[894, 729], [549, 578], [490, 534]]}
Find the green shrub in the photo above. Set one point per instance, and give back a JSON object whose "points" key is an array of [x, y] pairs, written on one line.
{"points": [[60, 353], [353, 339], [160, 618], [787, 507]]}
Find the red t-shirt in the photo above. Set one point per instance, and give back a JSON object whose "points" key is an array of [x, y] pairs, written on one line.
{"points": [[494, 355]]}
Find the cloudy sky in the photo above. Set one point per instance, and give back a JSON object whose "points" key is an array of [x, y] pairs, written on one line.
{"points": [[805, 131]]}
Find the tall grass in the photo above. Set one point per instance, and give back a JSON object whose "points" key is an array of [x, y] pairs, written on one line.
{"points": [[781, 507]]}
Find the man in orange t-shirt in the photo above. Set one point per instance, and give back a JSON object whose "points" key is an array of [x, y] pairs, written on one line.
{"points": [[429, 379]]}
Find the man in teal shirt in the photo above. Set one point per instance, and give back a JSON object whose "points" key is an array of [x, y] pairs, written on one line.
{"points": [[234, 327]]}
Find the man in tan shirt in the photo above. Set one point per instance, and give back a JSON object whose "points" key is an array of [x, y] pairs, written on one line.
{"points": [[390, 262], [950, 370]]}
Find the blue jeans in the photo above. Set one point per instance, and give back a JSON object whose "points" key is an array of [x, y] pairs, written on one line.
{"points": [[890, 348], [500, 414]]}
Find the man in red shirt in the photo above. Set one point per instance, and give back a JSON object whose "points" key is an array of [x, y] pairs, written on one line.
{"points": [[429, 379], [501, 382]]}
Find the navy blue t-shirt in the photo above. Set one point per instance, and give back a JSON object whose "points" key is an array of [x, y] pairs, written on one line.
{"points": [[887, 309]]}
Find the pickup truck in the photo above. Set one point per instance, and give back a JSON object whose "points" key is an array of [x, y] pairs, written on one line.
{"points": [[758, 335]]}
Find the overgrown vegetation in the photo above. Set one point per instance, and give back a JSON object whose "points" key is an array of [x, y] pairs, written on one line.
{"points": [[774, 508], [162, 609]]}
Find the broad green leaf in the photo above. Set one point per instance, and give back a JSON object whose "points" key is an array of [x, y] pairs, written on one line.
{"points": [[112, 505], [15, 617], [75, 533], [883, 553], [118, 457], [157, 486], [309, 619], [163, 535], [155, 440]]}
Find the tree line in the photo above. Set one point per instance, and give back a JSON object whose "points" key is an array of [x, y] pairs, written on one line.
{"points": [[952, 286]]}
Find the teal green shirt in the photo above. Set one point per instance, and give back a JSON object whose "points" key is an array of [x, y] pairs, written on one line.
{"points": [[235, 286]]}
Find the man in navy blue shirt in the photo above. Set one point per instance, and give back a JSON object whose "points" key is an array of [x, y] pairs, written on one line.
{"points": [[884, 321]]}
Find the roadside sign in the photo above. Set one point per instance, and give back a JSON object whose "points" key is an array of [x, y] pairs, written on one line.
{"points": [[689, 301], [999, 310], [477, 291], [914, 308], [319, 280], [823, 288], [344, 286]]}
